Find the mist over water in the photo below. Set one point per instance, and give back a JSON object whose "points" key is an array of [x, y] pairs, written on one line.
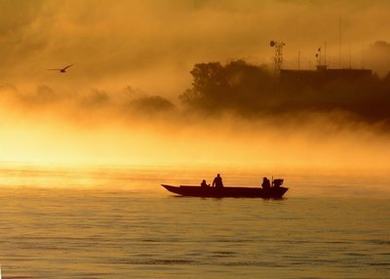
{"points": [[102, 138], [147, 179], [126, 99], [175, 92], [119, 223]]}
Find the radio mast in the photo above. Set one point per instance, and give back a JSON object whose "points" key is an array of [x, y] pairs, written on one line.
{"points": [[278, 57]]}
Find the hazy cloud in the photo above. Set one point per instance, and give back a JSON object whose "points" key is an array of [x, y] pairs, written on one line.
{"points": [[124, 42], [153, 45]]}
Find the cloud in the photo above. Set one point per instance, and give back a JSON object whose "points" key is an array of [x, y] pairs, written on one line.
{"points": [[153, 45], [133, 42], [96, 104]]}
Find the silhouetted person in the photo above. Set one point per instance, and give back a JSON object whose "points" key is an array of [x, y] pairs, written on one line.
{"points": [[204, 184], [277, 183], [266, 183], [217, 182]]}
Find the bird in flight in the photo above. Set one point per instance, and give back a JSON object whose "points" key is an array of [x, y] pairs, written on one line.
{"points": [[62, 70]]}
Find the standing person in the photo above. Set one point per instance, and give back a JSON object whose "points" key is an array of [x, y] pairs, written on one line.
{"points": [[217, 182]]}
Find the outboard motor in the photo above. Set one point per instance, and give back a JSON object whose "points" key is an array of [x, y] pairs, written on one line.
{"points": [[277, 183]]}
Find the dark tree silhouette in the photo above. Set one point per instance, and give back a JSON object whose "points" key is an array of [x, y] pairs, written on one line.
{"points": [[251, 90], [237, 86]]}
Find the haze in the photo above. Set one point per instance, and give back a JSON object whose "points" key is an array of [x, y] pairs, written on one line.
{"points": [[119, 104]]}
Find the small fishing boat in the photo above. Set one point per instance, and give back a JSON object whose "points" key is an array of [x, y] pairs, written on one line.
{"points": [[232, 192]]}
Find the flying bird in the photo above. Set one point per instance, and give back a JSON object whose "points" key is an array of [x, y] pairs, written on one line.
{"points": [[62, 70]]}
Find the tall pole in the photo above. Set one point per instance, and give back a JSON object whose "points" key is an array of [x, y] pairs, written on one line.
{"points": [[340, 42], [299, 59], [278, 57], [325, 46], [350, 56]]}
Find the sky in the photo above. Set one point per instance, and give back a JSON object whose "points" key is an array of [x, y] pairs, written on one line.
{"points": [[149, 48], [119, 43]]}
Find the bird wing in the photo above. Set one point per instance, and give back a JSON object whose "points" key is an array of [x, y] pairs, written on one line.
{"points": [[67, 67]]}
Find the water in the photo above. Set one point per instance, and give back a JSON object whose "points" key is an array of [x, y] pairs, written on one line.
{"points": [[118, 223]]}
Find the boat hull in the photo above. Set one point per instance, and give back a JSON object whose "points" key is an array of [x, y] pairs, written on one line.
{"points": [[232, 192]]}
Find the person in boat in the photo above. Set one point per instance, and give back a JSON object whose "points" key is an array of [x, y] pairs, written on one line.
{"points": [[217, 182], [266, 183], [204, 184], [276, 183]]}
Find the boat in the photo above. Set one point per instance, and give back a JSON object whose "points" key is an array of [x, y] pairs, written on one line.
{"points": [[231, 192]]}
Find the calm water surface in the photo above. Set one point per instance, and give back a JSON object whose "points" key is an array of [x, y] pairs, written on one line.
{"points": [[118, 223]]}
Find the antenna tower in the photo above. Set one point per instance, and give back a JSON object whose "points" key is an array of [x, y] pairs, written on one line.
{"points": [[278, 57]]}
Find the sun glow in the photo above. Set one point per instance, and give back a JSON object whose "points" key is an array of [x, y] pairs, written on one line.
{"points": [[52, 141]]}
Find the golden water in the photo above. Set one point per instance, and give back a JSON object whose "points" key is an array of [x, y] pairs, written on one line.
{"points": [[119, 223]]}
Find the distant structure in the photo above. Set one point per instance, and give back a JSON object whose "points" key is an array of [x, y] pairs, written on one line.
{"points": [[278, 57], [321, 75]]}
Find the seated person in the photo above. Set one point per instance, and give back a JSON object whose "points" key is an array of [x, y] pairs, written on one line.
{"points": [[277, 183], [204, 184], [266, 183]]}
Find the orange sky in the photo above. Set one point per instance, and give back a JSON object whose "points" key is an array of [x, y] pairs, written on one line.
{"points": [[119, 43], [151, 46]]}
